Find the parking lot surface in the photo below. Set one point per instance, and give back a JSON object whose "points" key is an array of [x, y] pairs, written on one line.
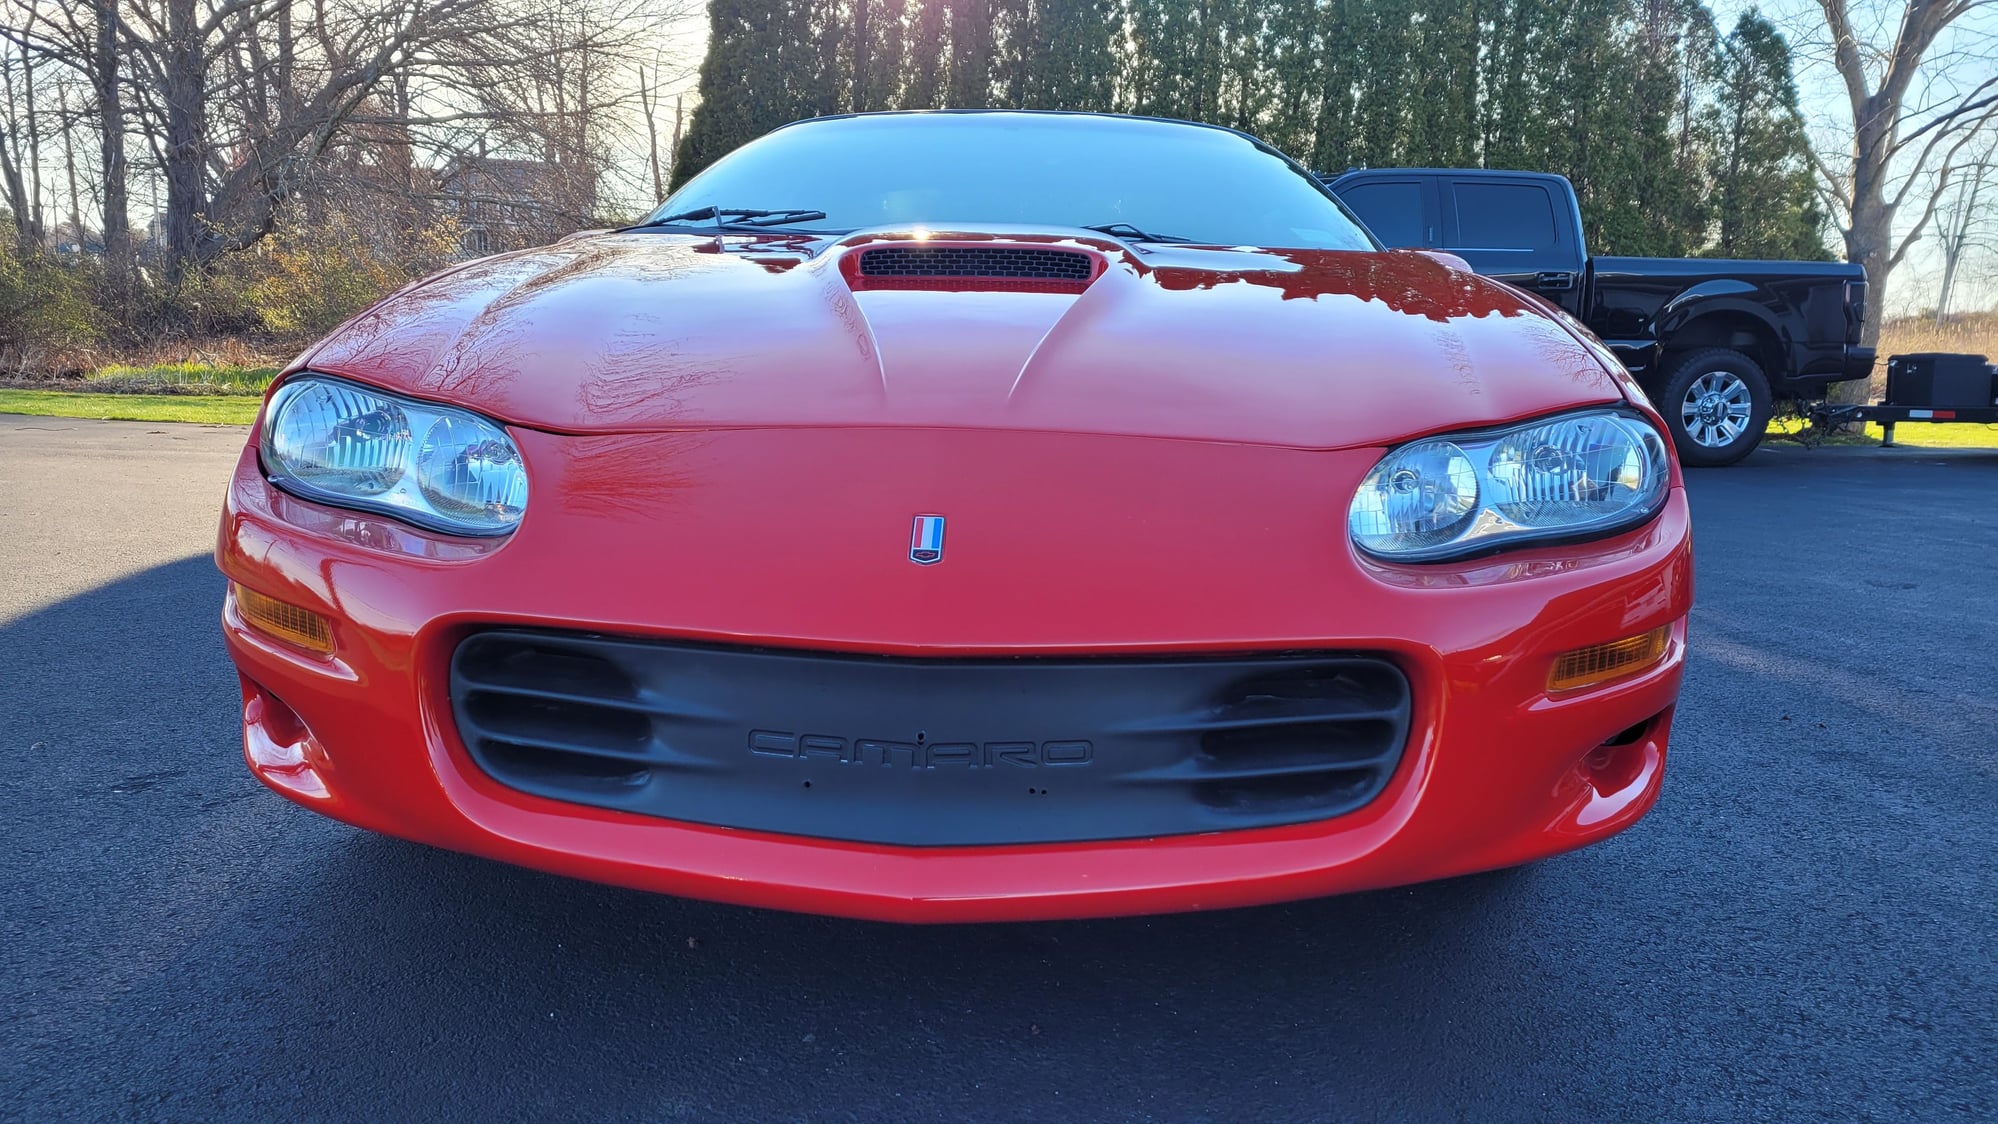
{"points": [[1807, 926]]}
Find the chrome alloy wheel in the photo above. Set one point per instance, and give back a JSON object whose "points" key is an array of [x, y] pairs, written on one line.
{"points": [[1716, 409]]}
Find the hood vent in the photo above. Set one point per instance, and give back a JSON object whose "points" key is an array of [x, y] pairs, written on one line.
{"points": [[979, 261], [976, 267]]}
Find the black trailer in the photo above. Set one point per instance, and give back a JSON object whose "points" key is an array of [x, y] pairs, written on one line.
{"points": [[1926, 387]]}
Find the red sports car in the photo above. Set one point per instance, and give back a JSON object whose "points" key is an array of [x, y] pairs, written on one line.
{"points": [[966, 516]]}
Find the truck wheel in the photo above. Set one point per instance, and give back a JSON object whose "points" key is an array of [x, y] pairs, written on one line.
{"points": [[1716, 403]]}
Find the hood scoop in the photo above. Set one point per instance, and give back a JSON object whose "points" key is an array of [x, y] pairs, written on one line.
{"points": [[973, 267]]}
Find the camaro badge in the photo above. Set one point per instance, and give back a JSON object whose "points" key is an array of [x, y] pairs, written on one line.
{"points": [[926, 545]]}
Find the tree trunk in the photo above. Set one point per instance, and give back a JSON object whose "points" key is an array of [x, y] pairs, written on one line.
{"points": [[1951, 255], [35, 228], [648, 97], [863, 39], [186, 171], [75, 192], [679, 131], [10, 175], [1866, 244], [971, 54], [111, 144], [1956, 237], [1869, 238]]}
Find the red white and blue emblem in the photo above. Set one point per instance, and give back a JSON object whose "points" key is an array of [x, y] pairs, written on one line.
{"points": [[926, 545]]}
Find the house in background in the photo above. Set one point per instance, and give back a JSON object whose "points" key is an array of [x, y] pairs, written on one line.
{"points": [[503, 203]]}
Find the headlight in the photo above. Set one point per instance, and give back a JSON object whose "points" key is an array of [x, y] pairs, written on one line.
{"points": [[341, 443], [1584, 474]]}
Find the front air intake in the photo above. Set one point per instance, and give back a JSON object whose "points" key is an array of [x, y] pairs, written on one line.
{"points": [[931, 751]]}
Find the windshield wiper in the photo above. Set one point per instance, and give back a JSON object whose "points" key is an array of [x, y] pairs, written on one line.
{"points": [[1127, 231], [737, 218]]}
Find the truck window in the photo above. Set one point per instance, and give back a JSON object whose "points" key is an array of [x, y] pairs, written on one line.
{"points": [[1392, 209], [1502, 216]]}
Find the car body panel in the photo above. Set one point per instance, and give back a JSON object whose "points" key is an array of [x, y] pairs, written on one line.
{"points": [[1197, 557], [656, 331]]}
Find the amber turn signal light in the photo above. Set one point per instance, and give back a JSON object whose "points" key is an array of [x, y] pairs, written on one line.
{"points": [[284, 621], [1601, 663]]}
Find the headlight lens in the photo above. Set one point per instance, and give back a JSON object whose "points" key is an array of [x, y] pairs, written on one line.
{"points": [[469, 470], [1583, 474], [340, 443], [340, 438]]}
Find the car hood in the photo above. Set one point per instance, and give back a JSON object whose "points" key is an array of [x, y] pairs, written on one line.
{"points": [[648, 331]]}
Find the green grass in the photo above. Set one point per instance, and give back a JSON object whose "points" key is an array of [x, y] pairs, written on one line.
{"points": [[1926, 435], [1941, 435], [183, 378], [210, 409]]}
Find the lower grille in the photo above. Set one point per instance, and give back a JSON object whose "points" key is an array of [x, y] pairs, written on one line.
{"points": [[930, 752]]}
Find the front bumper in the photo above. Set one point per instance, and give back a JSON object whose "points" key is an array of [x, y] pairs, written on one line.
{"points": [[1494, 771]]}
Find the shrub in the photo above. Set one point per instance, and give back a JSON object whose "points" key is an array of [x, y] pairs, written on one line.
{"points": [[304, 285], [46, 312]]}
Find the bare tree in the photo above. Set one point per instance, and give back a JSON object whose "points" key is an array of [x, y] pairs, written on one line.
{"points": [[242, 107], [14, 181], [1964, 223], [648, 98], [103, 67], [20, 136], [1914, 111]]}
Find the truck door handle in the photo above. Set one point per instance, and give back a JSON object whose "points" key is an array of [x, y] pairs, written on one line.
{"points": [[1554, 280]]}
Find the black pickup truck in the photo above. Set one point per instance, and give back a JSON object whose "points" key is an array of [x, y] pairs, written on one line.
{"points": [[1713, 342]]}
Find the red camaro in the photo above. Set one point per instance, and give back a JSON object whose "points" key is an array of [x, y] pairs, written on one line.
{"points": [[966, 516]]}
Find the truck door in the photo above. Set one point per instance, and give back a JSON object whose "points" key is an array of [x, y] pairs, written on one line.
{"points": [[1515, 230]]}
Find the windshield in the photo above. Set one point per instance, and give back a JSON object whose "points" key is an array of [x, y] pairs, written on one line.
{"points": [[1139, 179]]}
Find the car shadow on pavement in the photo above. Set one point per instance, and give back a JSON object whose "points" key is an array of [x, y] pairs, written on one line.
{"points": [[194, 931], [486, 959]]}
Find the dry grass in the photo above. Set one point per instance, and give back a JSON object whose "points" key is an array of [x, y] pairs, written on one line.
{"points": [[223, 352], [1975, 333]]}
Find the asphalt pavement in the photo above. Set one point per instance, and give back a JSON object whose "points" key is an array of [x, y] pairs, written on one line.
{"points": [[1806, 927]]}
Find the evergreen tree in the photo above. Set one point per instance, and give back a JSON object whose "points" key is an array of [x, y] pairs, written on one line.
{"points": [[1676, 142], [1443, 123], [1518, 55], [970, 54], [926, 56], [1296, 61], [730, 111], [1765, 200], [768, 63], [875, 55], [1336, 127]]}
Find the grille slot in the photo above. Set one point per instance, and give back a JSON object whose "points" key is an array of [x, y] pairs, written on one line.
{"points": [[923, 752], [547, 710], [1316, 735], [1010, 262]]}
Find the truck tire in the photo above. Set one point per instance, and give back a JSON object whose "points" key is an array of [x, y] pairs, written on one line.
{"points": [[1716, 403]]}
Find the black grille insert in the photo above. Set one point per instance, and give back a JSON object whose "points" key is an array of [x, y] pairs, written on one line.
{"points": [[930, 751], [1022, 264]]}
